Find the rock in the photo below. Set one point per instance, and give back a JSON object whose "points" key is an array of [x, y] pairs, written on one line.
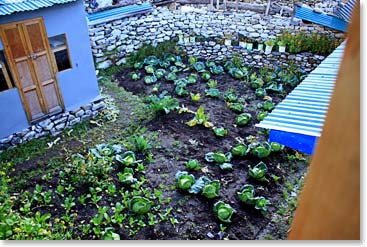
{"points": [[79, 113], [254, 35], [258, 57], [210, 235], [49, 126], [30, 135], [44, 123], [75, 121], [60, 126], [99, 105], [60, 120], [6, 140], [250, 29], [16, 140], [55, 132], [104, 65]]}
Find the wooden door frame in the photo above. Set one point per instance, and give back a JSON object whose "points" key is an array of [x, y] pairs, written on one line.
{"points": [[51, 62]]}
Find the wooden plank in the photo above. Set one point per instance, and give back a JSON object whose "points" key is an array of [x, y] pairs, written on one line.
{"points": [[329, 206]]}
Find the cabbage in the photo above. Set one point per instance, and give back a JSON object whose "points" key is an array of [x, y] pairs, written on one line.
{"points": [[160, 73], [151, 60], [171, 76], [149, 69], [199, 66], [150, 79], [243, 119], [258, 172], [205, 75], [140, 205], [223, 211], [216, 70]]}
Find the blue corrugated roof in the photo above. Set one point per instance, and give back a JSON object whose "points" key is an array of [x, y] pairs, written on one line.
{"points": [[118, 13], [308, 14], [8, 7], [302, 113]]}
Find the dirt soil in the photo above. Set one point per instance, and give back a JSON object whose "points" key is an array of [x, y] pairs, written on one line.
{"points": [[179, 143]]}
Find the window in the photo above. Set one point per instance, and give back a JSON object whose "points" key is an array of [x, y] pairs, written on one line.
{"points": [[60, 50], [6, 81]]}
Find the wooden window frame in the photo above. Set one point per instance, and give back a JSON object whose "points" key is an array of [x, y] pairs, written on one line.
{"points": [[63, 47]]}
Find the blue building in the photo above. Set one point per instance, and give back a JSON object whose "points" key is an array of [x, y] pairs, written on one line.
{"points": [[46, 64]]}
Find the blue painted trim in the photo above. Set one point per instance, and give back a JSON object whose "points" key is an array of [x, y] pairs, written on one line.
{"points": [[300, 142], [309, 14]]}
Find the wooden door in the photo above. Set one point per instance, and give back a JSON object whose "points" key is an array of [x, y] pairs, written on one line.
{"points": [[28, 52]]}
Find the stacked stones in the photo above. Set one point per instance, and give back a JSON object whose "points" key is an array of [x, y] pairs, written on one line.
{"points": [[112, 41], [258, 58], [54, 125]]}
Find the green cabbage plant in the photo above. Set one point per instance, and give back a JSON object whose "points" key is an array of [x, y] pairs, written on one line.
{"points": [[211, 189], [257, 83], [218, 157], [138, 65], [128, 158], [210, 63], [181, 90], [159, 73], [151, 60], [135, 76], [184, 180], [212, 92], [149, 69], [170, 57], [205, 75], [236, 107], [258, 172], [260, 92], [239, 149], [199, 66], [230, 96], [223, 211], [261, 203], [274, 87], [171, 76], [162, 103], [150, 79], [140, 205], [216, 69], [192, 78], [236, 73], [193, 164], [174, 69], [276, 147], [165, 64], [268, 105], [229, 65], [212, 83], [246, 194], [220, 131], [260, 150], [181, 82], [127, 177], [243, 119], [261, 115]]}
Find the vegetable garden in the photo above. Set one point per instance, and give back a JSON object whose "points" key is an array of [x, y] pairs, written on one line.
{"points": [[199, 169]]}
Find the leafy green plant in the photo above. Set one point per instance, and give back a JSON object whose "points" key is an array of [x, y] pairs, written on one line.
{"points": [[139, 143], [150, 79], [257, 83], [140, 205], [212, 92], [268, 105], [220, 131], [127, 158], [151, 60], [229, 65], [149, 69], [230, 96], [218, 157], [193, 60], [216, 69], [212, 83], [236, 107], [239, 149], [181, 90], [127, 177], [223, 211], [192, 78], [162, 103], [109, 234], [171, 76], [276, 147], [261, 203], [260, 92], [195, 97], [199, 66], [205, 75], [193, 164], [159, 73], [261, 115], [260, 150], [246, 194], [138, 65], [236, 73], [258, 172], [210, 63], [243, 119], [200, 118], [135, 76], [211, 189], [184, 180]]}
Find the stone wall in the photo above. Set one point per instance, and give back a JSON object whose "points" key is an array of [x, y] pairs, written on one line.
{"points": [[112, 41], [54, 125], [257, 58]]}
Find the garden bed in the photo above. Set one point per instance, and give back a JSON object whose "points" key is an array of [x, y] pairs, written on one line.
{"points": [[127, 188]]}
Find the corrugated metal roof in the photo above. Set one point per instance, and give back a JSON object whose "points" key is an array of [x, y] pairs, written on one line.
{"points": [[118, 13], [308, 14], [8, 7], [346, 11], [303, 110]]}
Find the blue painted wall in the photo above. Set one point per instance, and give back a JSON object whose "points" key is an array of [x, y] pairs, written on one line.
{"points": [[78, 85]]}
